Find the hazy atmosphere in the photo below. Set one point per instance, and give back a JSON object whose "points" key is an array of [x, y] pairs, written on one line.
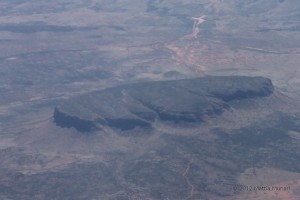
{"points": [[149, 99]]}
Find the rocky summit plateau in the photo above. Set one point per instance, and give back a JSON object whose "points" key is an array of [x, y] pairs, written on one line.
{"points": [[140, 104]]}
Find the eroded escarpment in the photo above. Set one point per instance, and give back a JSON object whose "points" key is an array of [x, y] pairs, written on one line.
{"points": [[67, 121], [139, 105]]}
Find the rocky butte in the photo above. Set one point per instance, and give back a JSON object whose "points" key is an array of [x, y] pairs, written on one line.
{"points": [[138, 105]]}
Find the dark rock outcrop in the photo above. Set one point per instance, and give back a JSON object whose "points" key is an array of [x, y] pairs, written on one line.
{"points": [[68, 121], [138, 105]]}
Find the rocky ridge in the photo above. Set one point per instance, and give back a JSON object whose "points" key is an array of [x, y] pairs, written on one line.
{"points": [[138, 105]]}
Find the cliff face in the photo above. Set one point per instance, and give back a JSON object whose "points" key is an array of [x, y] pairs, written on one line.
{"points": [[138, 105], [67, 121], [259, 87]]}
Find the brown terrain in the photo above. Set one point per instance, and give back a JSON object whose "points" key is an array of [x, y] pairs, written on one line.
{"points": [[54, 51]]}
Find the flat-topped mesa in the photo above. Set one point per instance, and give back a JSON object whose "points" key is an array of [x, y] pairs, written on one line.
{"points": [[138, 105]]}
